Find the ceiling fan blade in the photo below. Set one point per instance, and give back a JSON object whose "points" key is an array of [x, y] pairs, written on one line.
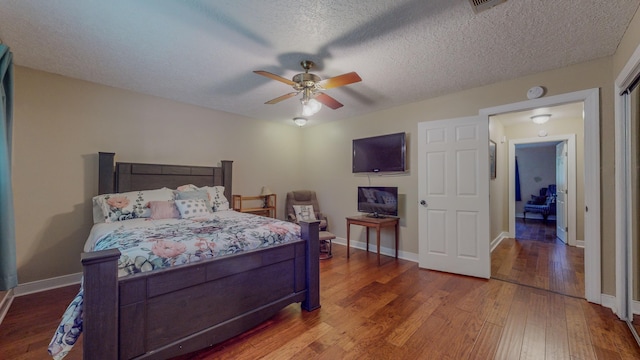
{"points": [[328, 101], [274, 77], [280, 98], [340, 80]]}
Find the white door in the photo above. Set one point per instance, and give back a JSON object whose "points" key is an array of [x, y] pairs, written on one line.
{"points": [[453, 185], [561, 191]]}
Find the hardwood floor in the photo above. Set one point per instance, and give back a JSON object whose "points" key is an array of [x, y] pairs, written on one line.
{"points": [[392, 311], [534, 229], [30, 323], [536, 258]]}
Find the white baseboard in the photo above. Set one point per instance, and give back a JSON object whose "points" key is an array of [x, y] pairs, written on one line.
{"points": [[383, 250], [580, 243], [47, 284], [5, 303], [609, 301], [35, 287], [495, 242]]}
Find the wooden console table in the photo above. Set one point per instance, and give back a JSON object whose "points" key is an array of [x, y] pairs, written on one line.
{"points": [[267, 209], [372, 222]]}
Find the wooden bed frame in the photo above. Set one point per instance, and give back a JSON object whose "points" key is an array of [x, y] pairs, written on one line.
{"points": [[170, 312]]}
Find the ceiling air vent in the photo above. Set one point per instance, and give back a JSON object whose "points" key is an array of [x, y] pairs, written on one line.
{"points": [[481, 5]]}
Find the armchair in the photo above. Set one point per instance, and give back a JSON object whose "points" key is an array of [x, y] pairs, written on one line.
{"points": [[297, 208], [544, 204]]}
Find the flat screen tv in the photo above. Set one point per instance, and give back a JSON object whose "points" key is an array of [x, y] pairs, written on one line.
{"points": [[384, 153], [378, 201]]}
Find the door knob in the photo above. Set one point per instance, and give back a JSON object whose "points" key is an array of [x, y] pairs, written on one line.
{"points": [[423, 203]]}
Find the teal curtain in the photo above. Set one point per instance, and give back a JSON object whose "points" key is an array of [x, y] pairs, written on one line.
{"points": [[8, 272]]}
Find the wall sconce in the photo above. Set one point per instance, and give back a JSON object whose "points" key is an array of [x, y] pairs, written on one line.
{"points": [[540, 119], [300, 121]]}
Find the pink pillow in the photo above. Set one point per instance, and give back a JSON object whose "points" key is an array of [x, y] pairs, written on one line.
{"points": [[164, 210]]}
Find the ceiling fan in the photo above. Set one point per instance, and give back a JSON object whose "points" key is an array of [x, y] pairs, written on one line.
{"points": [[311, 87]]}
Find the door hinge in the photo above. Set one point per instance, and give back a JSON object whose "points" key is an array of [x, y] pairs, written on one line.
{"points": [[566, 229]]}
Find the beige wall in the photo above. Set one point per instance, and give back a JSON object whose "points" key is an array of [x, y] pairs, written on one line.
{"points": [[499, 187], [61, 124], [328, 149]]}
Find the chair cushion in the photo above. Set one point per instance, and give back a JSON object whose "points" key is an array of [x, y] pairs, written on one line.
{"points": [[325, 235]]}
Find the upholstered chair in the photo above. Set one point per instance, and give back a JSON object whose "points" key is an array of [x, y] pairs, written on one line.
{"points": [[304, 197], [297, 208]]}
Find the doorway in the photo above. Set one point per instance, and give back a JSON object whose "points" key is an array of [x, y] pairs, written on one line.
{"points": [[544, 201], [591, 154], [571, 189]]}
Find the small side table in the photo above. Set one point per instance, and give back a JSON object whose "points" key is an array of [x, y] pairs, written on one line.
{"points": [[372, 222]]}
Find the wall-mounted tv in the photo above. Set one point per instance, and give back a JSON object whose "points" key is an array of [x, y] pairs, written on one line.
{"points": [[378, 201], [384, 153]]}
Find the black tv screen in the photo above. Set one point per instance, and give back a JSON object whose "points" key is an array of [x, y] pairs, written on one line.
{"points": [[385, 153], [378, 201]]}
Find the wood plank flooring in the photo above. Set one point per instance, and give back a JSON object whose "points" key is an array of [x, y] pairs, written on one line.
{"points": [[392, 311], [536, 258]]}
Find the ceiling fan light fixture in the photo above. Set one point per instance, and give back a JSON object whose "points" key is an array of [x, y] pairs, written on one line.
{"points": [[310, 106], [540, 119], [300, 121]]}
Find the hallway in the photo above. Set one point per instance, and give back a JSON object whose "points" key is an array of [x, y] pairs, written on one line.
{"points": [[538, 259]]}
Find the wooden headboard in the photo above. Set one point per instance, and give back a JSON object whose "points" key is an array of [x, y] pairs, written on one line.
{"points": [[124, 177]]}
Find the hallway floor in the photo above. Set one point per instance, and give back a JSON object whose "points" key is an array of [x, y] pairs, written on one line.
{"points": [[538, 259]]}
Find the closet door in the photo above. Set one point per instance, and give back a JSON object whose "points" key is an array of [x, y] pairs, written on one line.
{"points": [[633, 258]]}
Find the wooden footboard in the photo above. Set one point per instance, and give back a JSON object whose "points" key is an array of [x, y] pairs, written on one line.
{"points": [[179, 310]]}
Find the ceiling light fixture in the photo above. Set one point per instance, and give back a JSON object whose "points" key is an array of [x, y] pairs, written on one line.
{"points": [[300, 121], [540, 119], [310, 105]]}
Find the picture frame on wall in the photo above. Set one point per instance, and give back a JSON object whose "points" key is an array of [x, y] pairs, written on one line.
{"points": [[492, 159]]}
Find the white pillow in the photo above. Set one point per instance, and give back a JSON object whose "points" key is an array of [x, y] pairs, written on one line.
{"points": [[304, 212], [192, 208], [216, 197], [130, 205]]}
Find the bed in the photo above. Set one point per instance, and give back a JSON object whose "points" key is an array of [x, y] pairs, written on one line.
{"points": [[143, 315]]}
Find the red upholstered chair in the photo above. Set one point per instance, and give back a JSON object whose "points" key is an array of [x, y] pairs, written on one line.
{"points": [[303, 205]]}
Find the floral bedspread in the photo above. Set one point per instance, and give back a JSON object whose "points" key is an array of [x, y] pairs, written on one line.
{"points": [[154, 244]]}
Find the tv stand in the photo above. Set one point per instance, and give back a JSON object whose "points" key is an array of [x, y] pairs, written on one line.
{"points": [[376, 223]]}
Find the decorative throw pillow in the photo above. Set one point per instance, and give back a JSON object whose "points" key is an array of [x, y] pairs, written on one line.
{"points": [[304, 212], [130, 205], [217, 199], [164, 210], [193, 194], [189, 187], [192, 208]]}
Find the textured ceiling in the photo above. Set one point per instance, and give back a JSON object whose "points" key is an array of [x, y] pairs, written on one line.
{"points": [[204, 52]]}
